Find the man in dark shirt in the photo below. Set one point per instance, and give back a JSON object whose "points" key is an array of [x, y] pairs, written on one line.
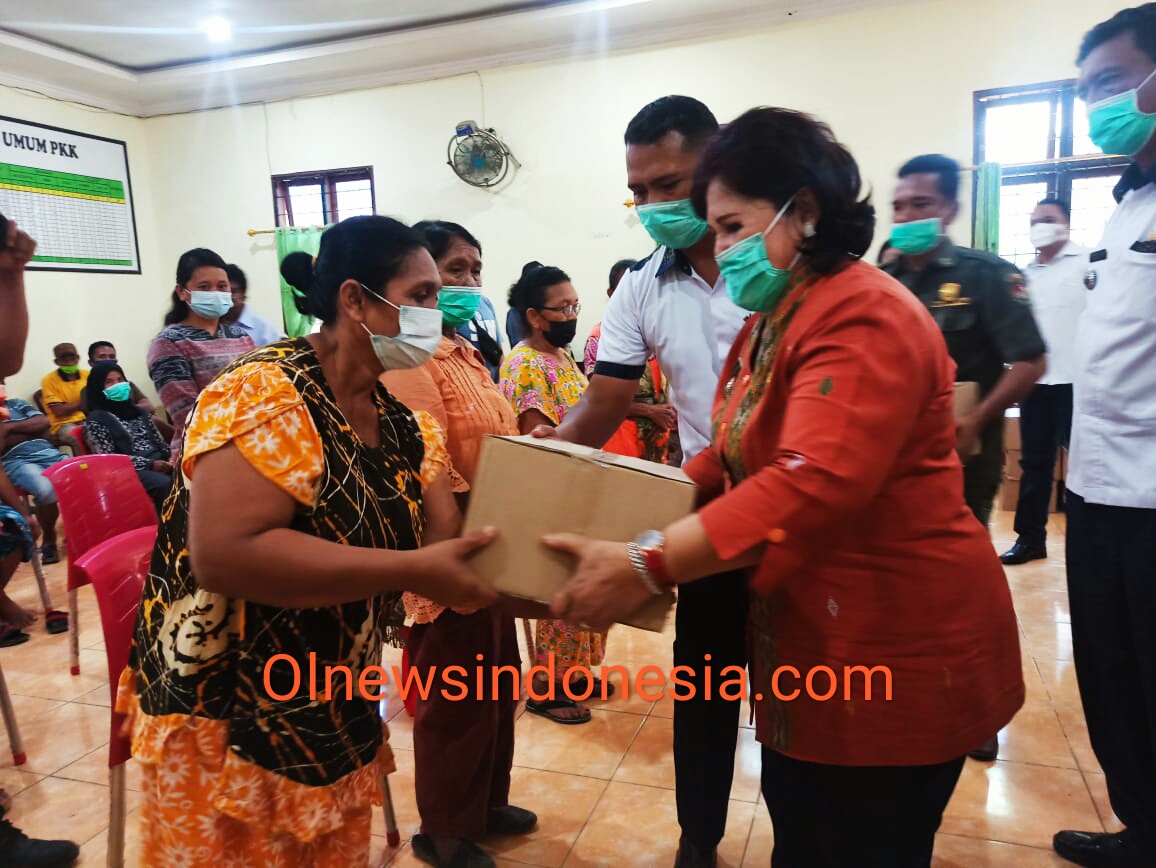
{"points": [[981, 305]]}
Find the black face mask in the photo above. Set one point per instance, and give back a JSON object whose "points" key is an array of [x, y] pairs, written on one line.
{"points": [[561, 334]]}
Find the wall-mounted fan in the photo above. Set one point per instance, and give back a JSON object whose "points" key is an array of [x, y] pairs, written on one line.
{"points": [[478, 156]]}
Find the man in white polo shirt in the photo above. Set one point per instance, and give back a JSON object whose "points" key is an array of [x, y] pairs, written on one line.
{"points": [[1055, 283], [1111, 503], [674, 305]]}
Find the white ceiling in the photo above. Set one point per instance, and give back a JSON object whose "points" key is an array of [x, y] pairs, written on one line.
{"points": [[145, 58], [142, 35]]}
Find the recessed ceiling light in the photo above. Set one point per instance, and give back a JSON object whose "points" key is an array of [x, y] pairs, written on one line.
{"points": [[218, 29]]}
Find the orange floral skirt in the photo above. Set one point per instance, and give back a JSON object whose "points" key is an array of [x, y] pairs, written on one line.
{"points": [[571, 646], [201, 805]]}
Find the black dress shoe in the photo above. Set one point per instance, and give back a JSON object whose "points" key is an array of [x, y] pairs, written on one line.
{"points": [[1021, 554], [690, 856], [20, 851], [1102, 850], [510, 820], [986, 752]]}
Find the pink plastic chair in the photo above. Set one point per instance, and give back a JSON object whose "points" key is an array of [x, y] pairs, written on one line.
{"points": [[117, 568], [100, 498]]}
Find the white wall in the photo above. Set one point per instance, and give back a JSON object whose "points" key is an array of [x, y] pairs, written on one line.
{"points": [[892, 83]]}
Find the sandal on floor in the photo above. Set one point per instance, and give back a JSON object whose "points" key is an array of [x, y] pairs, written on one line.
{"points": [[579, 685], [10, 636], [56, 622], [510, 820], [468, 854], [543, 707]]}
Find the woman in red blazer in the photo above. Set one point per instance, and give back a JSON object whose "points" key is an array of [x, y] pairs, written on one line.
{"points": [[832, 477]]}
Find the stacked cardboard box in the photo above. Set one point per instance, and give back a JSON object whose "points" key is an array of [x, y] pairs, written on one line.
{"points": [[1009, 492]]}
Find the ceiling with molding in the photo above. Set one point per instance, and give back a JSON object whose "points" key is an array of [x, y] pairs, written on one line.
{"points": [[146, 58]]}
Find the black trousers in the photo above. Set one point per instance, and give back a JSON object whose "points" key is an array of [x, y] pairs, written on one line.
{"points": [[982, 473], [1045, 426], [711, 618], [855, 816], [1111, 553]]}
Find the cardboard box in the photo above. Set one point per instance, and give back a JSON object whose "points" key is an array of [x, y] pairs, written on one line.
{"points": [[528, 488], [1011, 464], [1011, 429], [1009, 495], [966, 399]]}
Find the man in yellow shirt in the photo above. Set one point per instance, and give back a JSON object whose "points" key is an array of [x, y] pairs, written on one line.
{"points": [[61, 391]]}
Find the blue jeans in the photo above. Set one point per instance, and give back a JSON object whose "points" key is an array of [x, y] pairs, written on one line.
{"points": [[25, 464]]}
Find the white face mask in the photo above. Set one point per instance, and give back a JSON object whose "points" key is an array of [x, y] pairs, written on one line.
{"points": [[1047, 234], [418, 339]]}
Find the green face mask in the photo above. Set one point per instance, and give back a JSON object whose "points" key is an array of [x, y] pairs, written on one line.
{"points": [[458, 304], [118, 392], [1117, 126], [918, 236], [673, 224], [70, 369], [753, 283]]}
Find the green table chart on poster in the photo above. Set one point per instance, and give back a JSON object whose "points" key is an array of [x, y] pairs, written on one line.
{"points": [[71, 193]]}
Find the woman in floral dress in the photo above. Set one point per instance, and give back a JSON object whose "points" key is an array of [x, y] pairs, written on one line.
{"points": [[307, 500], [542, 382]]}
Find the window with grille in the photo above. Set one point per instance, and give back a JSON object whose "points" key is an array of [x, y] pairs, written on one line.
{"points": [[322, 198], [1039, 136]]}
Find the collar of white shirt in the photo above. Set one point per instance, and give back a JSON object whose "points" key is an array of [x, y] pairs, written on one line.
{"points": [[1069, 249]]}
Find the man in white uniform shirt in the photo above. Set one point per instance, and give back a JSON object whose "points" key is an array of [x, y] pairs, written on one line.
{"points": [[254, 325], [1111, 549], [1055, 283], [674, 305]]}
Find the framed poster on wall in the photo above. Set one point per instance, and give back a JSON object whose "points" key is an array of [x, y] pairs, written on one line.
{"points": [[71, 192]]}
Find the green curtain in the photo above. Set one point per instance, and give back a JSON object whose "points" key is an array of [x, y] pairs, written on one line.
{"points": [[292, 240], [987, 208]]}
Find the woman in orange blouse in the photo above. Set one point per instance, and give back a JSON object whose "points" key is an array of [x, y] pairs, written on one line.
{"points": [[464, 750], [833, 479]]}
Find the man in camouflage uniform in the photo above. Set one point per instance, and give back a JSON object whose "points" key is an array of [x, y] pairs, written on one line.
{"points": [[981, 305]]}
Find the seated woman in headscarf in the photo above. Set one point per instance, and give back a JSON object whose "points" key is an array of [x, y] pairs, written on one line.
{"points": [[115, 425]]}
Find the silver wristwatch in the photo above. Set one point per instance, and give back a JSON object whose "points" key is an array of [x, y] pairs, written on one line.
{"points": [[646, 541]]}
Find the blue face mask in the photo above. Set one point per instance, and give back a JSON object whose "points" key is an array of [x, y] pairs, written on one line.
{"points": [[118, 391], [210, 304], [418, 338], [673, 224], [1117, 126], [753, 283]]}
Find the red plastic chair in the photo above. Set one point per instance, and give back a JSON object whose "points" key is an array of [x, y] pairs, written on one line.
{"points": [[410, 701], [78, 444], [117, 568], [100, 498]]}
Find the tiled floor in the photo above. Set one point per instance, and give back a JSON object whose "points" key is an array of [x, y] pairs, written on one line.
{"points": [[604, 791]]}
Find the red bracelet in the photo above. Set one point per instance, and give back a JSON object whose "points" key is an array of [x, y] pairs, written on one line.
{"points": [[656, 566]]}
